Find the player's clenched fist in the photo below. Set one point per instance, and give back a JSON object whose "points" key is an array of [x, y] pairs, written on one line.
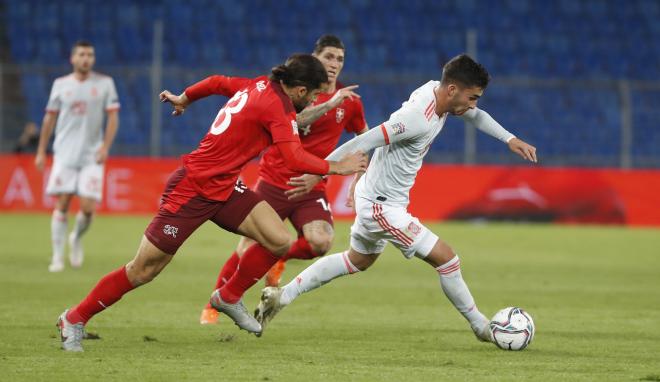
{"points": [[180, 102]]}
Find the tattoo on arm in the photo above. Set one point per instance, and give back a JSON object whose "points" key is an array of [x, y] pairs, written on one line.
{"points": [[311, 114]]}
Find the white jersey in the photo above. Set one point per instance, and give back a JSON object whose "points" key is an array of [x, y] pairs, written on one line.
{"points": [[409, 132], [81, 106], [408, 135]]}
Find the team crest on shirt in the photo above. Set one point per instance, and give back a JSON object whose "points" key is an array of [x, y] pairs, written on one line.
{"points": [[398, 128], [339, 116], [294, 124]]}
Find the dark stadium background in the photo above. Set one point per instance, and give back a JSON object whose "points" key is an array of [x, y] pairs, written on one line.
{"points": [[579, 79]]}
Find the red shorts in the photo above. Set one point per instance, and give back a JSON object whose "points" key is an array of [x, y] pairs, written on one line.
{"points": [[182, 211], [300, 211]]}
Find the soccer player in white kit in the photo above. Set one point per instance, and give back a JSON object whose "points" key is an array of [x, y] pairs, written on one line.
{"points": [[78, 102], [382, 194]]}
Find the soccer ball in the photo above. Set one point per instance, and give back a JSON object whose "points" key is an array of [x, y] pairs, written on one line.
{"points": [[512, 328]]}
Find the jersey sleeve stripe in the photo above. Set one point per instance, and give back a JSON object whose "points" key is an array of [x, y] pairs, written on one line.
{"points": [[384, 130], [429, 110]]}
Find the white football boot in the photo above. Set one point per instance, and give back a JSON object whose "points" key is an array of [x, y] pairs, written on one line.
{"points": [[56, 265], [75, 251], [70, 334], [483, 333], [237, 312], [269, 305]]}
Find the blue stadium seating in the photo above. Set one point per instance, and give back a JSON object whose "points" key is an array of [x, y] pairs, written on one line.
{"points": [[391, 46]]}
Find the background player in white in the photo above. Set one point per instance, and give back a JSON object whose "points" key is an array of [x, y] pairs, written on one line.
{"points": [[382, 194], [78, 103]]}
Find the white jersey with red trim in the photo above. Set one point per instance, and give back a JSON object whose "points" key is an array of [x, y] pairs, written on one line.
{"points": [[408, 135], [81, 106]]}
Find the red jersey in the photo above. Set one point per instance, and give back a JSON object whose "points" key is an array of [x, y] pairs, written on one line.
{"points": [[320, 138], [258, 114]]}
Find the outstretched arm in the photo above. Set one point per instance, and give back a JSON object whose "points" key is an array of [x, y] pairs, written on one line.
{"points": [[366, 142], [297, 159], [484, 122], [216, 84], [305, 183]]}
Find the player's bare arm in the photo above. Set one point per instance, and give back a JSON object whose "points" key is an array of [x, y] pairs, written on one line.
{"points": [[110, 132], [47, 127], [350, 198], [306, 182], [350, 164], [179, 102], [311, 114]]}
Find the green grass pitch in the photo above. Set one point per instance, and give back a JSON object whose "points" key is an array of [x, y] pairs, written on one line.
{"points": [[594, 293]]}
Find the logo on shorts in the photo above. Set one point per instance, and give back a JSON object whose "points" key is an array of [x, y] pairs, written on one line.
{"points": [[240, 186], [340, 114], [170, 230], [414, 229]]}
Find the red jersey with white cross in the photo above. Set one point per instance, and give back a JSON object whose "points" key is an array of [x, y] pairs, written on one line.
{"points": [[320, 138], [258, 114]]}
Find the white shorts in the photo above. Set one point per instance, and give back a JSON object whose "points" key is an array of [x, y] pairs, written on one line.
{"points": [[376, 224], [85, 181]]}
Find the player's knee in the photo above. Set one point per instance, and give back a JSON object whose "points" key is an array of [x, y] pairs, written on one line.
{"points": [[243, 246], [62, 204], [440, 254], [278, 243], [320, 243], [140, 275], [362, 262]]}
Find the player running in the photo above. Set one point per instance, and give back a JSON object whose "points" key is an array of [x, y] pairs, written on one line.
{"points": [[260, 113], [382, 194], [336, 110], [78, 104]]}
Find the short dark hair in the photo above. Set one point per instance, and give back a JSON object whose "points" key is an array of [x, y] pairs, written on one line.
{"points": [[328, 40], [301, 70], [81, 44], [464, 71]]}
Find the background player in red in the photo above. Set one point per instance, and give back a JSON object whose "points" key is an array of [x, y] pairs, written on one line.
{"points": [[320, 126], [260, 113]]}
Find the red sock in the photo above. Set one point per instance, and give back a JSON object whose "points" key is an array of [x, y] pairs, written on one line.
{"points": [[108, 291], [252, 267], [226, 272], [300, 250]]}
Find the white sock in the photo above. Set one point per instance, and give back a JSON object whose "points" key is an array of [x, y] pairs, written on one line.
{"points": [[458, 293], [321, 272], [58, 228], [83, 221]]}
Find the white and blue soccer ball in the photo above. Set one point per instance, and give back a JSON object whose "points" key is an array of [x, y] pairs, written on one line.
{"points": [[512, 328]]}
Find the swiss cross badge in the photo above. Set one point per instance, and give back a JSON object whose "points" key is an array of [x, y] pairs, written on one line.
{"points": [[340, 114]]}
